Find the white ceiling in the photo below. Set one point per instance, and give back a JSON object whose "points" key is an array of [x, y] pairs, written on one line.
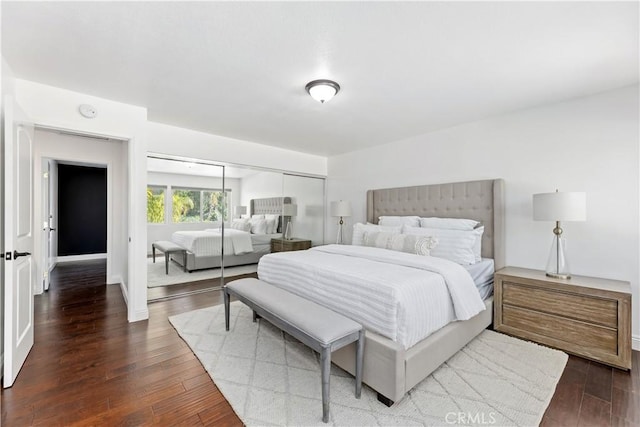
{"points": [[239, 69]]}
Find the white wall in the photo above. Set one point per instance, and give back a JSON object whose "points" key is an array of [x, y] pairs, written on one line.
{"points": [[58, 108], [53, 145], [164, 231], [176, 141], [588, 144]]}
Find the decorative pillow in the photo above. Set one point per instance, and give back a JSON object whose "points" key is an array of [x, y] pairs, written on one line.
{"points": [[394, 221], [410, 243], [449, 223], [259, 226], [359, 229], [455, 245], [241, 224]]}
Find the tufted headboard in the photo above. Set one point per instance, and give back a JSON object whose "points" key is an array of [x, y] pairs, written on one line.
{"points": [[479, 200], [269, 206]]}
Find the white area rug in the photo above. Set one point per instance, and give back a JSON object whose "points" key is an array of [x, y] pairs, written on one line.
{"points": [[156, 273], [271, 379]]}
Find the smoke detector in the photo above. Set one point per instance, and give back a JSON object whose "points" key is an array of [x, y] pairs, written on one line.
{"points": [[88, 111]]}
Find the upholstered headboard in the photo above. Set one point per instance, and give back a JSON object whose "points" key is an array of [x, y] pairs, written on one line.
{"points": [[269, 206], [479, 200]]}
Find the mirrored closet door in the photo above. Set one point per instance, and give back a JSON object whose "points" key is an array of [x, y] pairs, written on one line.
{"points": [[194, 206], [303, 213], [187, 204]]}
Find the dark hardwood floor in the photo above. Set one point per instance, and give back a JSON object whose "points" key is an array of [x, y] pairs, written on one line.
{"points": [[89, 366]]}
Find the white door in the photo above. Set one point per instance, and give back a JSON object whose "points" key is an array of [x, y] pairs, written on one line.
{"points": [[18, 243], [46, 222]]}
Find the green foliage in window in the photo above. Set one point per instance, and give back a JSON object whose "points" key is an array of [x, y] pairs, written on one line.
{"points": [[186, 205], [214, 206], [155, 205]]}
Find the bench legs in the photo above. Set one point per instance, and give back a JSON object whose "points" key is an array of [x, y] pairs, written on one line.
{"points": [[325, 366], [359, 362], [227, 308]]}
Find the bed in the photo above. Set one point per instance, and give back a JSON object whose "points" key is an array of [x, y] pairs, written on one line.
{"points": [[396, 363], [205, 249]]}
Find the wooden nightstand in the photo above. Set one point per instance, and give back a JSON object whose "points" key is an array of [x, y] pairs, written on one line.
{"points": [[585, 316], [283, 245]]}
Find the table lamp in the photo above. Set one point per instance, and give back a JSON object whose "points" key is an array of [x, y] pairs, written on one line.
{"points": [[340, 209], [570, 206], [239, 211], [289, 210]]}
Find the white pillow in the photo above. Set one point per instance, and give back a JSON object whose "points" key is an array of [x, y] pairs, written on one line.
{"points": [[259, 226], [257, 216], [455, 245], [273, 225], [449, 223], [241, 224], [394, 221], [359, 229], [410, 243]]}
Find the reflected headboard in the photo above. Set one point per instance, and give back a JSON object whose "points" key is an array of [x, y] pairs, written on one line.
{"points": [[479, 200], [269, 206]]}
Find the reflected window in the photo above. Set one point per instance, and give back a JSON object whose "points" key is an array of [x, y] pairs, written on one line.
{"points": [[198, 205], [155, 204]]}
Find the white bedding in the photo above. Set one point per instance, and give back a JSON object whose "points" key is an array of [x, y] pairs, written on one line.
{"points": [[208, 242], [401, 296], [482, 275], [264, 239]]}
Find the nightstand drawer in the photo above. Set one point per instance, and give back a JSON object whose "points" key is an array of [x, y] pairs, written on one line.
{"points": [[581, 307], [596, 338]]}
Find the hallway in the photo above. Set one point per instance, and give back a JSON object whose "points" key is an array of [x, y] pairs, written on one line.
{"points": [[89, 366]]}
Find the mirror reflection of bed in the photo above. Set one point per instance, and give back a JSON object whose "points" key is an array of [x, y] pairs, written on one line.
{"points": [[187, 204]]}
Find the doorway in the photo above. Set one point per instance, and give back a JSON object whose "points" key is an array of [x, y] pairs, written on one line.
{"points": [[80, 203]]}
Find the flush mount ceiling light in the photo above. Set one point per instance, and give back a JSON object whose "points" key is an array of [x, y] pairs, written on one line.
{"points": [[322, 90]]}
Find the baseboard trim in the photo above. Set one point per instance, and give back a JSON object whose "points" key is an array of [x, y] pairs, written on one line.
{"points": [[140, 315], [1, 368], [125, 294], [72, 258], [635, 342], [115, 280]]}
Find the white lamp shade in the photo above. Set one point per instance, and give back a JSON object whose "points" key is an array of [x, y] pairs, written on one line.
{"points": [[341, 208], [556, 206], [240, 210], [289, 209]]}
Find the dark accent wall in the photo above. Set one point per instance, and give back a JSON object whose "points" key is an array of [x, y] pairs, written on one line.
{"points": [[82, 210]]}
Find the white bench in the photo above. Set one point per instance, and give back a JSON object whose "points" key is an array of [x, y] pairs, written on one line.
{"points": [[169, 248], [316, 326]]}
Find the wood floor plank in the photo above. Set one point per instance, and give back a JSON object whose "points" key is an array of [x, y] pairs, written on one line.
{"points": [[594, 412], [91, 367], [599, 381]]}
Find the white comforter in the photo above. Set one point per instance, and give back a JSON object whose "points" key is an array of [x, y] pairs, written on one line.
{"points": [[401, 296], [208, 242]]}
